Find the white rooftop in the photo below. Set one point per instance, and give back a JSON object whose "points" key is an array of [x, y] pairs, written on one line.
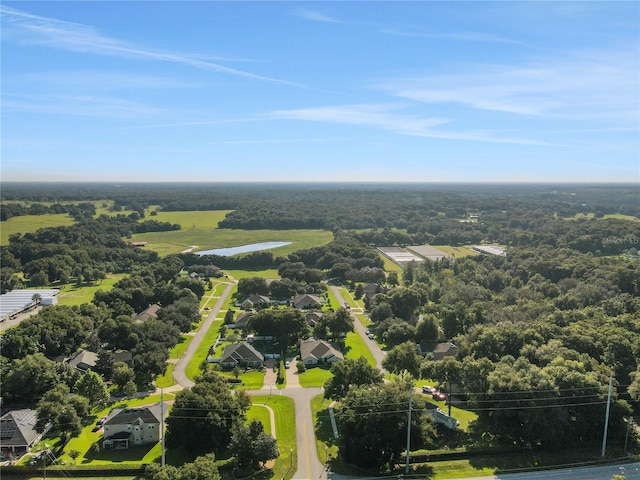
{"points": [[16, 301]]}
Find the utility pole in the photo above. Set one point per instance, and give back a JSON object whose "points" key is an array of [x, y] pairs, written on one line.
{"points": [[606, 417], [626, 437], [162, 422], [406, 468]]}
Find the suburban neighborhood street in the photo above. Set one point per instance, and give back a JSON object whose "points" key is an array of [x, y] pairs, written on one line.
{"points": [[309, 466], [179, 371]]}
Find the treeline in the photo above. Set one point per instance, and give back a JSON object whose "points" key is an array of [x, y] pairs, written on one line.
{"points": [[80, 210], [85, 251]]}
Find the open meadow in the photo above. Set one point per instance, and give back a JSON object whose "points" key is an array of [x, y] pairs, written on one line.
{"points": [[200, 229]]}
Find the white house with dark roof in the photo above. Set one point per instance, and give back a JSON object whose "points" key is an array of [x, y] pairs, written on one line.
{"points": [[18, 432], [314, 351], [133, 426]]}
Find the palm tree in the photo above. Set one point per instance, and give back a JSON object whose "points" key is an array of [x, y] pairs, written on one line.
{"points": [[36, 299]]}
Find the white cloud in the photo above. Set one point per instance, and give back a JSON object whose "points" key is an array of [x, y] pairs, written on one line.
{"points": [[589, 86], [462, 36], [315, 16], [384, 117], [34, 29]]}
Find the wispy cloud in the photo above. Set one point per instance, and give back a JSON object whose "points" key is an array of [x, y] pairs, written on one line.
{"points": [[34, 29], [589, 86], [278, 141], [462, 36], [81, 105], [387, 117], [314, 15]]}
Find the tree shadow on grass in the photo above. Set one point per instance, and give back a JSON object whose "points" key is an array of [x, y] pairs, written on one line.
{"points": [[132, 454]]}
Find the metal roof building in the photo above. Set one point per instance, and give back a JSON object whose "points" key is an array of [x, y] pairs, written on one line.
{"points": [[17, 301]]}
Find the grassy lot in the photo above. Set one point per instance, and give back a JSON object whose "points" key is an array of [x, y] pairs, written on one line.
{"points": [[71, 294], [268, 273], [201, 228], [619, 216], [325, 441], [356, 348], [314, 377], [389, 266], [260, 413], [286, 434], [457, 252], [31, 223], [200, 355]]}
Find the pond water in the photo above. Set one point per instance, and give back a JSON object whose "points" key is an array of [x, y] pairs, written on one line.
{"points": [[253, 247]]}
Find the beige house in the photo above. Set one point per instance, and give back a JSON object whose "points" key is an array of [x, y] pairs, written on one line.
{"points": [[306, 300], [125, 427], [313, 352]]}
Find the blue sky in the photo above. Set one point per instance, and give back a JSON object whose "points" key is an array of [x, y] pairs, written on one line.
{"points": [[397, 91]]}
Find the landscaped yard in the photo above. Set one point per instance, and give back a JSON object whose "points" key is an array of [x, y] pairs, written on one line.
{"points": [[356, 348]]}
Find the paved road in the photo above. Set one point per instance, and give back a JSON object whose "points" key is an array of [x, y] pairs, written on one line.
{"points": [[179, 371]]}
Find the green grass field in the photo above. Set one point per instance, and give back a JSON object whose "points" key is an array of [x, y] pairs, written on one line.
{"points": [[286, 465], [201, 228], [71, 294], [457, 252], [314, 377], [356, 348], [31, 223]]}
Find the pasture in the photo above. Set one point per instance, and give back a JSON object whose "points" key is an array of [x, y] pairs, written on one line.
{"points": [[31, 223], [200, 229]]}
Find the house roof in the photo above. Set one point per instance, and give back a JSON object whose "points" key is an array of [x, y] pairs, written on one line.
{"points": [[243, 318], [306, 299], [444, 348], [257, 299], [18, 428], [136, 416], [318, 349], [84, 360], [241, 352], [151, 310]]}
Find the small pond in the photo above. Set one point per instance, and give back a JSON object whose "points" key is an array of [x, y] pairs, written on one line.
{"points": [[253, 247]]}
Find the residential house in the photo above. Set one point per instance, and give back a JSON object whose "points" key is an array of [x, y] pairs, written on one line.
{"points": [[133, 426], [241, 355], [306, 300], [85, 360], [242, 320], [313, 318], [256, 300], [313, 352], [148, 313], [442, 350], [18, 433], [371, 289]]}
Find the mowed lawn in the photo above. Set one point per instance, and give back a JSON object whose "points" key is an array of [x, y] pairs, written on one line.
{"points": [[201, 229]]}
